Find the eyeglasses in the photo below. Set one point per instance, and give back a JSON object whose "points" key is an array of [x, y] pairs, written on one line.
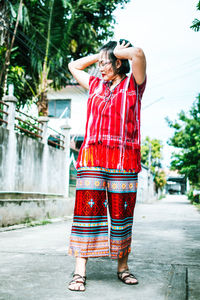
{"points": [[103, 64]]}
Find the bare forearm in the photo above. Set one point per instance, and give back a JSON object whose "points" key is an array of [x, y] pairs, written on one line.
{"points": [[77, 67], [128, 53], [137, 57], [84, 62]]}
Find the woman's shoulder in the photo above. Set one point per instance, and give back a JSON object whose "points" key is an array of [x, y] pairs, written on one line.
{"points": [[134, 86], [94, 82], [94, 79]]}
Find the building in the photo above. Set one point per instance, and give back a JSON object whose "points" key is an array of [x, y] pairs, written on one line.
{"points": [[68, 103], [176, 183]]}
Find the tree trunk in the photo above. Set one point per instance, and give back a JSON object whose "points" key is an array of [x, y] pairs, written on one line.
{"points": [[42, 104], [3, 23], [43, 87], [4, 34], [8, 52]]}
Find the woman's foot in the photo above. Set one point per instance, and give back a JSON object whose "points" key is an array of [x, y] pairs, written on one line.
{"points": [[123, 271], [79, 279], [78, 283], [126, 277]]}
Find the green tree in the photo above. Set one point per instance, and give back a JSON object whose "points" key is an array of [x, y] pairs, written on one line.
{"points": [[9, 49], [11, 16], [196, 23], [160, 180], [58, 31], [187, 139], [151, 156]]}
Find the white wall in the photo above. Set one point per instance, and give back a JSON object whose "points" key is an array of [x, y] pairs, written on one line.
{"points": [[27, 165], [146, 192], [78, 97]]}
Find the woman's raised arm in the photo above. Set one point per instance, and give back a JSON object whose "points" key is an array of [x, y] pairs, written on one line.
{"points": [[76, 68], [136, 55]]}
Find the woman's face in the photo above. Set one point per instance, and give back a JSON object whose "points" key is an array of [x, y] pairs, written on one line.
{"points": [[105, 66]]}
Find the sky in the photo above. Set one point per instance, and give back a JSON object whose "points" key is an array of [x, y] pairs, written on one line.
{"points": [[162, 29]]}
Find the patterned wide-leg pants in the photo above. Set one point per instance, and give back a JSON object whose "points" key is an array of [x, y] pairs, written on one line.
{"points": [[96, 189]]}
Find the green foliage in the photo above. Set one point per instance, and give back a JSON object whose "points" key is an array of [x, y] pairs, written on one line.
{"points": [[151, 153], [2, 55], [1, 114], [31, 223], [17, 77], [76, 28], [193, 196], [27, 127], [160, 179], [187, 139], [151, 156], [196, 23], [2, 61]]}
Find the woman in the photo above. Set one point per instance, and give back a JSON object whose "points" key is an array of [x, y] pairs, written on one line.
{"points": [[109, 159]]}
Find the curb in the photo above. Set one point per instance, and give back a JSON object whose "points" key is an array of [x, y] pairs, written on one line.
{"points": [[35, 223]]}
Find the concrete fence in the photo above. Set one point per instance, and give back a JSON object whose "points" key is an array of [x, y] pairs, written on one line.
{"points": [[28, 165], [34, 176], [146, 188], [31, 165]]}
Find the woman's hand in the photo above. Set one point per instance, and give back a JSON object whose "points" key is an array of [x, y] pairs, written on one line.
{"points": [[120, 47], [137, 57]]}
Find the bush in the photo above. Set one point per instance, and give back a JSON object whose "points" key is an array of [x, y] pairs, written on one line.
{"points": [[194, 196]]}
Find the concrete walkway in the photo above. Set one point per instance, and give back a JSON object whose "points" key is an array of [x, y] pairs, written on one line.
{"points": [[34, 264]]}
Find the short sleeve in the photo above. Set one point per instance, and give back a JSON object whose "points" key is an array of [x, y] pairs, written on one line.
{"points": [[134, 85], [142, 86], [93, 82]]}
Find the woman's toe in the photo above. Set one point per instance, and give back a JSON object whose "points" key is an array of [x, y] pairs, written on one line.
{"points": [[132, 280], [82, 288]]}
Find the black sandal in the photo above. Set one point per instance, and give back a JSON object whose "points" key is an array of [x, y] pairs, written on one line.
{"points": [[125, 277], [80, 279]]}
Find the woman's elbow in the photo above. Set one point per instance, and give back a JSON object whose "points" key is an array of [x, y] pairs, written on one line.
{"points": [[70, 65], [139, 53]]}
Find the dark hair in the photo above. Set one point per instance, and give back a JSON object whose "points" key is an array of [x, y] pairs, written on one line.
{"points": [[109, 48]]}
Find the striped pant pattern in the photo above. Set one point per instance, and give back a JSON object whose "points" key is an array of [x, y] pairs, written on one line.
{"points": [[99, 191]]}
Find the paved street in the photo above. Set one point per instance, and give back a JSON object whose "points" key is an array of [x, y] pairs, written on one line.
{"points": [[165, 258]]}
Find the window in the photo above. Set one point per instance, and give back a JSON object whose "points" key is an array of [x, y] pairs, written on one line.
{"points": [[57, 107]]}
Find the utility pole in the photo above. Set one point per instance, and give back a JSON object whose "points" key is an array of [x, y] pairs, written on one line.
{"points": [[149, 167]]}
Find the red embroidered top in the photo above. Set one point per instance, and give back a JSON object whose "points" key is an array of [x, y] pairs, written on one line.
{"points": [[112, 137]]}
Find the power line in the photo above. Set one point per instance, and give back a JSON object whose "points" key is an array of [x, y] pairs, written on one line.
{"points": [[29, 40], [190, 63], [42, 52], [150, 104], [60, 51], [40, 32], [184, 64], [174, 78]]}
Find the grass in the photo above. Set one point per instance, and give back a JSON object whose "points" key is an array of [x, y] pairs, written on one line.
{"points": [[162, 196], [38, 223], [29, 222], [197, 205]]}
